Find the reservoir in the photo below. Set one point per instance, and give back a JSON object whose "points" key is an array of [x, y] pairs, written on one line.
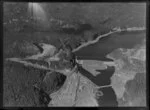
{"points": [[102, 79], [98, 51], [108, 99], [106, 45]]}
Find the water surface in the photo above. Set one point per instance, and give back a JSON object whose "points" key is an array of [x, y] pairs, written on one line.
{"points": [[99, 51], [106, 45]]}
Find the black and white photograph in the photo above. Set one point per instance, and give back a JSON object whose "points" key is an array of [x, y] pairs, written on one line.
{"points": [[65, 54]]}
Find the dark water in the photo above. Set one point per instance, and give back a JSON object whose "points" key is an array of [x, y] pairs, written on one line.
{"points": [[106, 45], [101, 79], [99, 51], [108, 98], [94, 57]]}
